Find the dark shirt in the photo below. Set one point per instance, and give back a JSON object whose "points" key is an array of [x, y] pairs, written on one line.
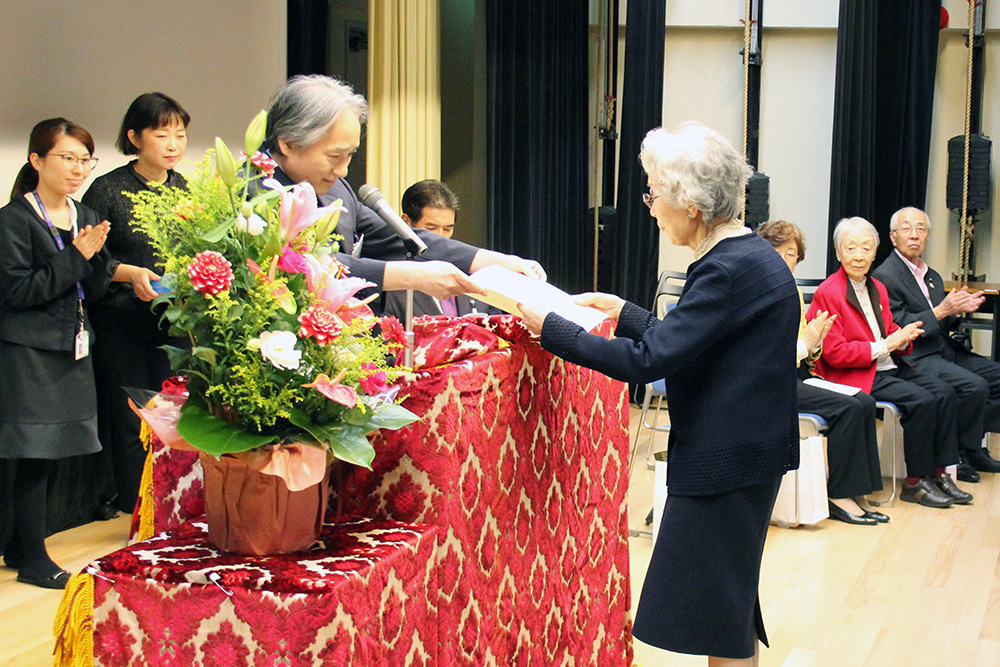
{"points": [[727, 355], [126, 244]]}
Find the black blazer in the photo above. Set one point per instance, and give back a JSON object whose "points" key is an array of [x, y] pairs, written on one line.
{"points": [[908, 304], [38, 298], [394, 303]]}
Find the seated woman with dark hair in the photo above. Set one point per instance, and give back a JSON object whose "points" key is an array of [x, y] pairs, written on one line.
{"points": [[852, 447], [863, 350]]}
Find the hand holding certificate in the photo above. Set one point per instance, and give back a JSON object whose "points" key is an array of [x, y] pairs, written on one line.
{"points": [[506, 289]]}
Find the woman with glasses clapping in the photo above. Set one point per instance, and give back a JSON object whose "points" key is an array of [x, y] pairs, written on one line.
{"points": [[53, 264]]}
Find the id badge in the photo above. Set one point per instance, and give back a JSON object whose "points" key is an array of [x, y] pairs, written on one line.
{"points": [[82, 344]]}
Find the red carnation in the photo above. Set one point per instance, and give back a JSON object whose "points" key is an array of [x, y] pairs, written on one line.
{"points": [[210, 272], [319, 323], [392, 330], [373, 382]]}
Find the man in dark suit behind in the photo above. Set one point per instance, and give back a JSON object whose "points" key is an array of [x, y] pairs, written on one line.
{"points": [[916, 292], [433, 206]]}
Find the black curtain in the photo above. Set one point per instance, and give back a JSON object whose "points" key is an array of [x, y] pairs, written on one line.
{"points": [[886, 65], [537, 156], [634, 249], [306, 36]]}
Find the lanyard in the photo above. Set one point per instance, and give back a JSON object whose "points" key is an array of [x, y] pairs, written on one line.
{"points": [[57, 237]]}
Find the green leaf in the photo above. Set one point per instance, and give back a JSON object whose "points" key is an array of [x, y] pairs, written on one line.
{"points": [[177, 356], [216, 436], [347, 442], [218, 233], [206, 354], [391, 416], [263, 195]]}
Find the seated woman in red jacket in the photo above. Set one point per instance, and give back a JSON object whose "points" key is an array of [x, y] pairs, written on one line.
{"points": [[864, 349]]}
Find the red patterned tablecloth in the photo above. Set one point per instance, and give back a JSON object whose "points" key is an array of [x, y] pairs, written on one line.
{"points": [[521, 459], [366, 595]]}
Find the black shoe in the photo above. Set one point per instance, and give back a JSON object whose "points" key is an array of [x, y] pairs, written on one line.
{"points": [[841, 514], [966, 473], [926, 493], [105, 512], [948, 486], [878, 516], [981, 460], [57, 581]]}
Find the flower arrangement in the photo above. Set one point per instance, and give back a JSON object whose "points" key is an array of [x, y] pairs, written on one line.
{"points": [[281, 350]]}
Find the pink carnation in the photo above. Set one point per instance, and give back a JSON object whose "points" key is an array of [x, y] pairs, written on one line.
{"points": [[291, 261], [372, 383], [319, 323], [264, 162], [210, 272]]}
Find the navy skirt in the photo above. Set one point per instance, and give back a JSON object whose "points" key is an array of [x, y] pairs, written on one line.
{"points": [[700, 592]]}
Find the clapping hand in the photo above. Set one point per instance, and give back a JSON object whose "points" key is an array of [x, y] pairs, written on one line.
{"points": [[902, 337], [817, 328], [959, 302], [91, 239]]}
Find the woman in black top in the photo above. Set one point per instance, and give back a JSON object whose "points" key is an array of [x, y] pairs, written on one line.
{"points": [[53, 265], [127, 351], [727, 354]]}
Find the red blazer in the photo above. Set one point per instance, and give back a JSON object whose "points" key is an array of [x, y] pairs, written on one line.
{"points": [[847, 356]]}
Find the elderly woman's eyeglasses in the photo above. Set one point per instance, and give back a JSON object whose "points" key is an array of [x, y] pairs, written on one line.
{"points": [[70, 161], [648, 198]]}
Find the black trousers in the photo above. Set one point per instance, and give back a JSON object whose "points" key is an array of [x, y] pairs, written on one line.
{"points": [[928, 407], [126, 354], [852, 445], [989, 371]]}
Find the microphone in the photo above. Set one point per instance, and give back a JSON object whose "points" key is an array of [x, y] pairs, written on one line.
{"points": [[373, 199]]}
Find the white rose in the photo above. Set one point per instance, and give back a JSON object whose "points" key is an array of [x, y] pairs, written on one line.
{"points": [[255, 227], [278, 347]]}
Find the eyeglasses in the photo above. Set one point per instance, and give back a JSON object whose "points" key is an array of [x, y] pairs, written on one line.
{"points": [[906, 229], [71, 160], [648, 198]]}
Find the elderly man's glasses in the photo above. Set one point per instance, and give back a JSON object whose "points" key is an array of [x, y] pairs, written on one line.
{"points": [[648, 198], [905, 230], [71, 160]]}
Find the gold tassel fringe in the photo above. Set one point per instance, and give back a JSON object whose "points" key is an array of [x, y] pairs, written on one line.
{"points": [[74, 624], [146, 509]]}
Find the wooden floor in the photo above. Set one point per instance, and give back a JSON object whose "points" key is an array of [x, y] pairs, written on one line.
{"points": [[922, 590]]}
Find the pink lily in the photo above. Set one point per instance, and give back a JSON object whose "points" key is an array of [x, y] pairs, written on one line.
{"points": [[299, 208], [338, 291], [332, 389]]}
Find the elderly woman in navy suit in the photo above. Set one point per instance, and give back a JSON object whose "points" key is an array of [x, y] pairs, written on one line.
{"points": [[727, 353], [313, 131]]}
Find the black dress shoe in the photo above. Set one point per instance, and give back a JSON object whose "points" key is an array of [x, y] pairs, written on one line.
{"points": [[981, 460], [841, 514], [948, 486], [105, 512], [966, 473], [57, 581], [878, 516], [925, 493]]}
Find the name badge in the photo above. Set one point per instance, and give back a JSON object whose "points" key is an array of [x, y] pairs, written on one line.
{"points": [[82, 344]]}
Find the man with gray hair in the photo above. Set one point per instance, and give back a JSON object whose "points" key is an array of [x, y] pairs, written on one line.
{"points": [[313, 131], [916, 292]]}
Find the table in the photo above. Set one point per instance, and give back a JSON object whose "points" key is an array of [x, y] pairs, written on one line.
{"points": [[521, 460], [364, 596], [988, 315]]}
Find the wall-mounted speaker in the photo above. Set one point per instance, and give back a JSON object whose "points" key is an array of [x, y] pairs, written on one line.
{"points": [[979, 172]]}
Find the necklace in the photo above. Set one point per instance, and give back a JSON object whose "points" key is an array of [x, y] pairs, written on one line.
{"points": [[721, 231]]}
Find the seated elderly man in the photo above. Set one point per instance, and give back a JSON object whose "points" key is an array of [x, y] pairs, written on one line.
{"points": [[916, 292], [864, 349]]}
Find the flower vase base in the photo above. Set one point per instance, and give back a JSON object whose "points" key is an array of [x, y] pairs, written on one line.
{"points": [[254, 513]]}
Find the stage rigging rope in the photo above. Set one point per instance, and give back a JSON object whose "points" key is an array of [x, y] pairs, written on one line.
{"points": [[965, 224], [747, 21]]}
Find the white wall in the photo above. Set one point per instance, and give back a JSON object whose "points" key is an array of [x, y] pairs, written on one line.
{"points": [[88, 60]]}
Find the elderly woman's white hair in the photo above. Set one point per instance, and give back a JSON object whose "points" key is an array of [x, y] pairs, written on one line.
{"points": [[853, 224], [696, 166], [304, 109]]}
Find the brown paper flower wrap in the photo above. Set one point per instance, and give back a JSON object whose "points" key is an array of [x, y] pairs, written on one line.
{"points": [[255, 513]]}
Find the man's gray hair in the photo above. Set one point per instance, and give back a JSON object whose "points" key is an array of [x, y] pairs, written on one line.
{"points": [[696, 166], [306, 106], [894, 220], [853, 224]]}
